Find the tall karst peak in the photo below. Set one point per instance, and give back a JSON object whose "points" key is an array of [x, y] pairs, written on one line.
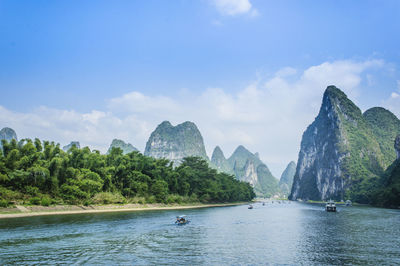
{"points": [[176, 142], [286, 181], [69, 146], [125, 147], [219, 162], [217, 154], [8, 134], [248, 167], [340, 149]]}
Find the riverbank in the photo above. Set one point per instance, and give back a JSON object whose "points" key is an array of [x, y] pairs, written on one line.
{"points": [[20, 211]]}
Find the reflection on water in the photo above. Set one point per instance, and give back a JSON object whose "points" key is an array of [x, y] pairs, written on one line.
{"points": [[275, 233]]}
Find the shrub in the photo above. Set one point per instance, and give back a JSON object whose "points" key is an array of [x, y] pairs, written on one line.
{"points": [[35, 201], [45, 201], [173, 198], [108, 197], [33, 191], [87, 202], [151, 199], [4, 203]]}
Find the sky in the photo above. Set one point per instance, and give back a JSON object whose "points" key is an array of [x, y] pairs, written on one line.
{"points": [[247, 72]]}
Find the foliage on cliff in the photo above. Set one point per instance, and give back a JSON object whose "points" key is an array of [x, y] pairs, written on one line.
{"points": [[388, 192], [42, 173], [344, 153]]}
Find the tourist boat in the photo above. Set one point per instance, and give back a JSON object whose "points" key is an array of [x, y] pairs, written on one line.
{"points": [[348, 203], [181, 220], [330, 206], [250, 207]]}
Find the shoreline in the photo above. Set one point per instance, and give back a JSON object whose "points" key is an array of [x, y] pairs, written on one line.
{"points": [[75, 209]]}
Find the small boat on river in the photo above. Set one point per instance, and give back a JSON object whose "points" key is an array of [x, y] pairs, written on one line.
{"points": [[330, 206], [348, 203], [250, 207], [181, 220]]}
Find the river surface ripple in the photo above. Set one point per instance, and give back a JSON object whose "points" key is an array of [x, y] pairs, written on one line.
{"points": [[291, 234]]}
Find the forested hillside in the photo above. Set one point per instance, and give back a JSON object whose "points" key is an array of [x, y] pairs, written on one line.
{"points": [[39, 172]]}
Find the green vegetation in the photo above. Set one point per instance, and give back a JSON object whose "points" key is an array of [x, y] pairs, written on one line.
{"points": [[387, 193], [370, 148], [352, 150], [40, 173]]}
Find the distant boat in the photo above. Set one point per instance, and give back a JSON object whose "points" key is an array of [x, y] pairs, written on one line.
{"points": [[330, 206], [348, 203], [181, 220], [250, 207], [263, 203]]}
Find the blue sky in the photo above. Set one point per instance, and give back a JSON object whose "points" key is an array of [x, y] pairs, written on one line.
{"points": [[122, 67]]}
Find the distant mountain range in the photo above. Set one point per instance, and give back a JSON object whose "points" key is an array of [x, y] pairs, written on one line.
{"points": [[247, 167], [344, 152], [184, 140]]}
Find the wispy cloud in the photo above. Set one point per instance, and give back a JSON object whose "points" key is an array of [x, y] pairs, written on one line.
{"points": [[393, 101], [234, 7], [268, 116]]}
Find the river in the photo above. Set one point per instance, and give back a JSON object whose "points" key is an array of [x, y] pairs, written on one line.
{"points": [[295, 233]]}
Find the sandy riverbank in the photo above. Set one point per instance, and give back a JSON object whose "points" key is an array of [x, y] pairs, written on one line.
{"points": [[29, 211]]}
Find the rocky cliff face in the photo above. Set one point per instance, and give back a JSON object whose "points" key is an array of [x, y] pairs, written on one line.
{"points": [[69, 146], [219, 162], [249, 168], [397, 146], [286, 181], [175, 142], [340, 151], [7, 134], [125, 147]]}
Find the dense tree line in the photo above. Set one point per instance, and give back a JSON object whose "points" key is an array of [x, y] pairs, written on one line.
{"points": [[42, 173]]}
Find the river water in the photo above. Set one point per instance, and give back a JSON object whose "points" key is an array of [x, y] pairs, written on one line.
{"points": [[295, 233]]}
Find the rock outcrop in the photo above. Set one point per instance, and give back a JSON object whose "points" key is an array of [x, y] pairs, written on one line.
{"points": [[397, 146], [7, 134], [249, 168], [69, 146], [342, 151], [125, 147], [286, 181], [219, 162], [176, 142]]}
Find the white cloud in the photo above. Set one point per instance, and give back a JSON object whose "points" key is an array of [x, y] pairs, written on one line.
{"points": [[393, 101], [235, 7], [394, 95], [268, 116]]}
